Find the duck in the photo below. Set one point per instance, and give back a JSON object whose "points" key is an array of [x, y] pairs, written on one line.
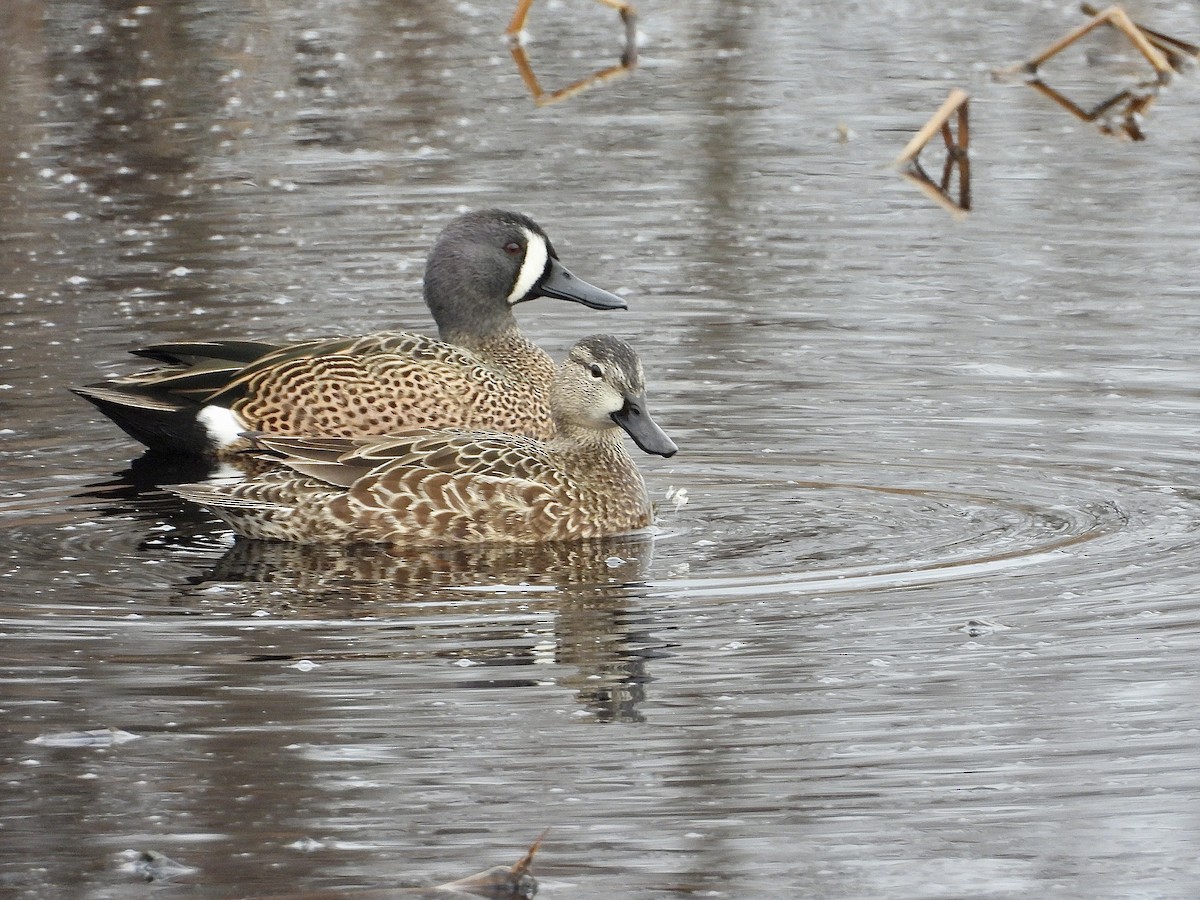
{"points": [[444, 487], [481, 372]]}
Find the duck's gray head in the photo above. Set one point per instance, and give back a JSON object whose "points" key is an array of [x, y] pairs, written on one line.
{"points": [[601, 383], [486, 262]]}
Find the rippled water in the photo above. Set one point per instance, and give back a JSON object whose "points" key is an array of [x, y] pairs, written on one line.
{"points": [[923, 621]]}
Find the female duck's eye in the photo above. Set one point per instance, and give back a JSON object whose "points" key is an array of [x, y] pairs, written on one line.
{"points": [[597, 372], [512, 248]]}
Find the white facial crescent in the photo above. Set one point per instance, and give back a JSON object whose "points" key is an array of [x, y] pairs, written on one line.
{"points": [[534, 265]]}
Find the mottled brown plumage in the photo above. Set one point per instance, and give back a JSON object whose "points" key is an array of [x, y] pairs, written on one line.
{"points": [[482, 373], [388, 382], [457, 486]]}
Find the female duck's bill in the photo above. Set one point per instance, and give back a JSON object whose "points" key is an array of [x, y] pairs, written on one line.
{"points": [[636, 422]]}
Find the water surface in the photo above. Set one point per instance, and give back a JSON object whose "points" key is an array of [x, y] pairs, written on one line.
{"points": [[923, 623]]}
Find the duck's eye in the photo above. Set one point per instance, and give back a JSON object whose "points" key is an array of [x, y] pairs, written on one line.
{"points": [[597, 372], [512, 248]]}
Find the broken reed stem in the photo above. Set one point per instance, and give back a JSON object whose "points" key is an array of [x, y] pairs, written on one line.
{"points": [[1116, 17], [956, 101], [1173, 48]]}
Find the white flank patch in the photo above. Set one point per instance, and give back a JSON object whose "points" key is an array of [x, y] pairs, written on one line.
{"points": [[536, 256], [222, 426]]}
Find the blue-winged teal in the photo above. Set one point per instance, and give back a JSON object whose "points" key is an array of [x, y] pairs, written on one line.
{"points": [[483, 373], [454, 486]]}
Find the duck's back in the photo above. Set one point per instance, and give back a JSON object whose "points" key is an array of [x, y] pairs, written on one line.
{"points": [[382, 383]]}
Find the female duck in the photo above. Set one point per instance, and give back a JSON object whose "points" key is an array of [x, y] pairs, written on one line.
{"points": [[483, 373], [456, 487]]}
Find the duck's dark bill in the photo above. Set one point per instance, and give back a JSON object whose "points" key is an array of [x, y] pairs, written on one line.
{"points": [[643, 429], [562, 285]]}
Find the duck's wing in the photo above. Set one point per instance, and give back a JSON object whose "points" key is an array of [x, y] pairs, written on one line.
{"points": [[298, 357], [427, 487], [454, 452]]}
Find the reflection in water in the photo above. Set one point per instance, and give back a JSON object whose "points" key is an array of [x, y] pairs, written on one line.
{"points": [[628, 15], [134, 493], [152, 866], [325, 86], [1119, 115], [957, 158], [584, 586], [360, 573], [149, 471], [515, 882], [541, 97], [898, 425]]}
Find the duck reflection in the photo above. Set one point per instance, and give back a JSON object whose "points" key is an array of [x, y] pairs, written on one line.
{"points": [[136, 494], [374, 573], [588, 587]]}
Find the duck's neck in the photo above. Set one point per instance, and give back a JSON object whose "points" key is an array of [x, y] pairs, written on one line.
{"points": [[605, 475], [510, 352], [601, 451], [465, 319]]}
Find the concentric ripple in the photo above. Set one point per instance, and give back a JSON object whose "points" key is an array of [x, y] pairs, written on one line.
{"points": [[772, 524], [752, 524]]}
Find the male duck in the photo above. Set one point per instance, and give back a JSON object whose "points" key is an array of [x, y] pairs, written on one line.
{"points": [[483, 373], [440, 487]]}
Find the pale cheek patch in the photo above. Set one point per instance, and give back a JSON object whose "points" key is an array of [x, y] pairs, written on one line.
{"points": [[607, 404], [532, 268], [221, 424]]}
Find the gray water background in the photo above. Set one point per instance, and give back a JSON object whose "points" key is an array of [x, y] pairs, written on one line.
{"points": [[927, 622]]}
